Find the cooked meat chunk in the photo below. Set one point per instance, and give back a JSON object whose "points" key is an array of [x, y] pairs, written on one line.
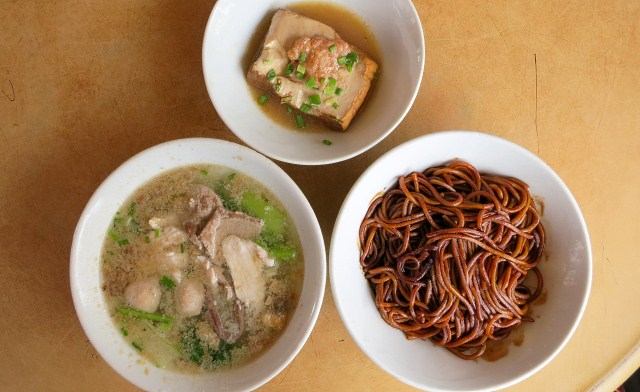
{"points": [[203, 203], [224, 223], [297, 49], [143, 295]]}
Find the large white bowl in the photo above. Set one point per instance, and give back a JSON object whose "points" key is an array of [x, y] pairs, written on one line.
{"points": [[86, 279], [397, 28], [566, 271]]}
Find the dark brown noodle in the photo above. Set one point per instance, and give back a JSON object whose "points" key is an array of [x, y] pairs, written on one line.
{"points": [[446, 253]]}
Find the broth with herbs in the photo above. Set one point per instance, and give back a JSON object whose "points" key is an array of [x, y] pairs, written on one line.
{"points": [[202, 268]]}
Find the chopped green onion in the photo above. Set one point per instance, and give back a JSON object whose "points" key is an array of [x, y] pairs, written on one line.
{"points": [[339, 91], [113, 235], [167, 282], [277, 86], [124, 331], [349, 67], [286, 99], [311, 82], [331, 87], [352, 57], [322, 80], [263, 99], [137, 346], [305, 108], [289, 110], [181, 248], [299, 75], [300, 121], [333, 48], [289, 69], [132, 209], [117, 220], [301, 68], [123, 242], [303, 57], [231, 176], [327, 142], [335, 105], [204, 172], [130, 312], [271, 75], [342, 60], [147, 239], [157, 233], [266, 61], [315, 99]]}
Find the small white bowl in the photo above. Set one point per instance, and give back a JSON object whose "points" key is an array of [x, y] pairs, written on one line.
{"points": [[86, 279], [566, 270], [398, 31]]}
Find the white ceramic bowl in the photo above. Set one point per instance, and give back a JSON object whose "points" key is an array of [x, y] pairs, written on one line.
{"points": [[89, 300], [566, 272], [397, 28]]}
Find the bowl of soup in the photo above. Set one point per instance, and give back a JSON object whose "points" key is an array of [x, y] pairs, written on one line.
{"points": [[198, 264], [460, 261], [313, 83]]}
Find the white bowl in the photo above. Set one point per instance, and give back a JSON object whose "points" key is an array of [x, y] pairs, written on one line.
{"points": [[397, 29], [566, 271], [89, 300]]}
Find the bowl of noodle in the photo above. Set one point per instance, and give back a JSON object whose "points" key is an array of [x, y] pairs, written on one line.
{"points": [[452, 258]]}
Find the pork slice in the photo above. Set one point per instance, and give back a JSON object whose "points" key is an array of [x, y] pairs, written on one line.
{"points": [[290, 34], [246, 264], [203, 203], [224, 223]]}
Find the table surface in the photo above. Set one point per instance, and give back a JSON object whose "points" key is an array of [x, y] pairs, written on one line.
{"points": [[85, 85]]}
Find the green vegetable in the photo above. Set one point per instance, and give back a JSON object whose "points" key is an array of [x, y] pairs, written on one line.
{"points": [[300, 121], [124, 331], [349, 60], [266, 61], [327, 142], [221, 188], [157, 233], [289, 110], [322, 80], [305, 108], [342, 61], [167, 281], [303, 57], [315, 99], [181, 248], [271, 75], [333, 48], [286, 99], [259, 207], [288, 70], [263, 99], [311, 82], [331, 87], [123, 242], [231, 176], [335, 105], [139, 314], [198, 351], [132, 209], [204, 172], [277, 86], [301, 69], [137, 346], [300, 75], [339, 91]]}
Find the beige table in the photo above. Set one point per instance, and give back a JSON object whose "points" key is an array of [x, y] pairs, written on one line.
{"points": [[86, 84]]}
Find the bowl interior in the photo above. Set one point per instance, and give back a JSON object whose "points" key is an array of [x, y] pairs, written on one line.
{"points": [[228, 32], [566, 269], [86, 275]]}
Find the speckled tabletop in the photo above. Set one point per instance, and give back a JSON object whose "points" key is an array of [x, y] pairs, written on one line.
{"points": [[85, 85]]}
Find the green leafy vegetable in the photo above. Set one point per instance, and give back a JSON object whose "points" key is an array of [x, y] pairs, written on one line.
{"points": [[139, 314], [167, 281]]}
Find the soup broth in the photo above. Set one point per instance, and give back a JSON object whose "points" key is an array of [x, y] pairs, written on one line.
{"points": [[201, 268]]}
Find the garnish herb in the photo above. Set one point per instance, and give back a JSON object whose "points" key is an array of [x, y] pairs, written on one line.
{"points": [[333, 48], [331, 87], [314, 99], [311, 82], [303, 57], [335, 105], [137, 346], [130, 312], [124, 331], [204, 172], [132, 209], [231, 176], [289, 70], [299, 75], [338, 91], [167, 281], [266, 61], [301, 68], [157, 233], [286, 99], [300, 121], [271, 75], [277, 86], [305, 108], [181, 248], [327, 142], [263, 99]]}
